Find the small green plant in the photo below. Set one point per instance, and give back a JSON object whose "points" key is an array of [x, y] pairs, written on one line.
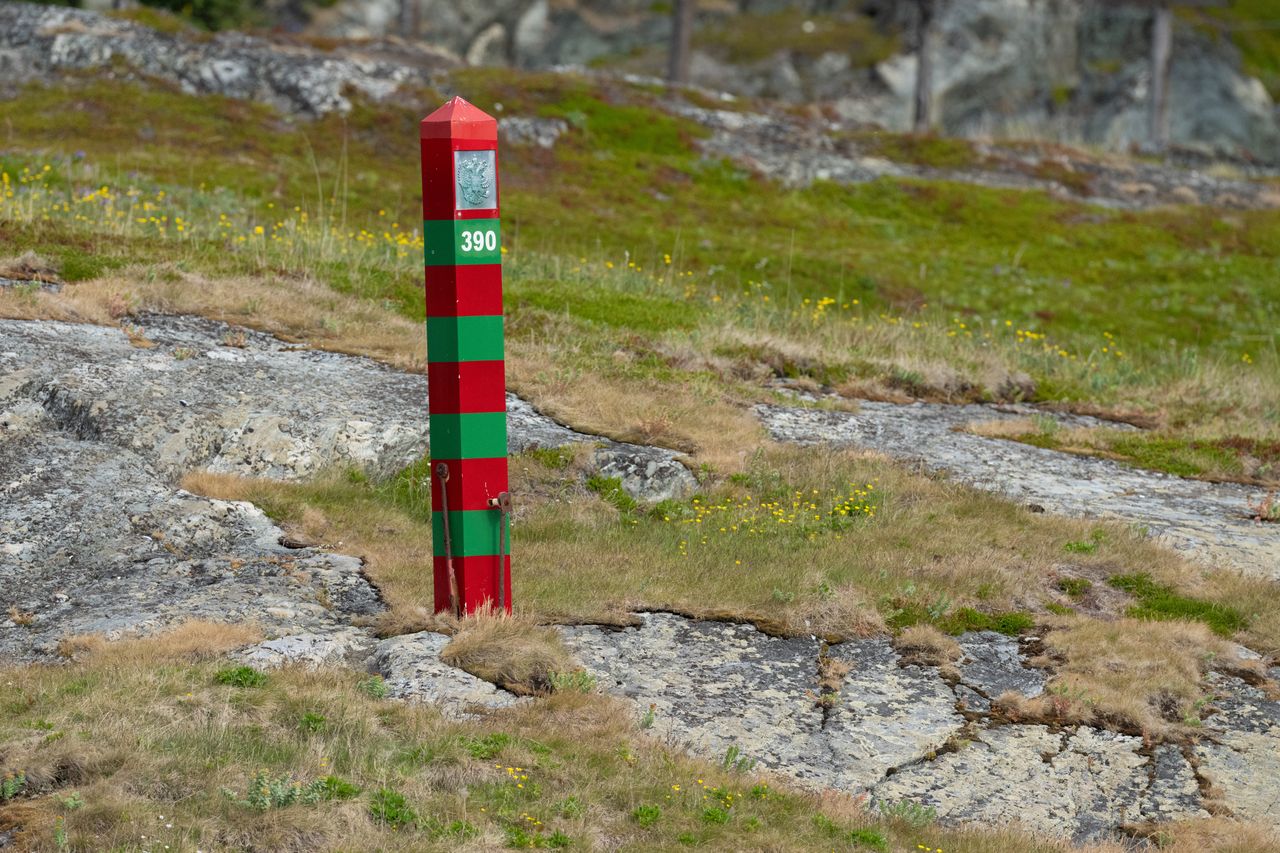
{"points": [[60, 833], [1095, 541], [611, 492], [715, 814], [266, 792], [736, 762], [862, 837], [389, 808], [911, 813], [649, 716], [1075, 587], [1267, 508], [486, 747], [241, 676], [311, 722], [759, 791], [578, 681], [557, 458], [1080, 547], [373, 687], [868, 838], [783, 596], [646, 816], [1157, 601], [11, 785], [460, 830], [570, 807], [828, 699], [518, 836], [337, 788], [1058, 609], [71, 801]]}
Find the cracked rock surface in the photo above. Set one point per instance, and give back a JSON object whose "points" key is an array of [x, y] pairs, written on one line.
{"points": [[896, 733], [413, 670], [1206, 520], [259, 408]]}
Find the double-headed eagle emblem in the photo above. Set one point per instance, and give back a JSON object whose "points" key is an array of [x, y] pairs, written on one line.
{"points": [[475, 180]]}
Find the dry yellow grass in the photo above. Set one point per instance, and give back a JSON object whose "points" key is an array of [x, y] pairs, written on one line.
{"points": [[1137, 676], [511, 650], [295, 308], [925, 645], [194, 640]]}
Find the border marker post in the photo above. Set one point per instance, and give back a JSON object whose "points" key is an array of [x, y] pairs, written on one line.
{"points": [[466, 374]]}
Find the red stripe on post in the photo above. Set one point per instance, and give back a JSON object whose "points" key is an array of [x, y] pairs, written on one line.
{"points": [[469, 290], [465, 387], [477, 582], [472, 482]]}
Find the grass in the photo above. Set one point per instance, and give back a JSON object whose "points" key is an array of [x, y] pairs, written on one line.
{"points": [[1140, 677], [149, 741], [510, 651], [1160, 602]]}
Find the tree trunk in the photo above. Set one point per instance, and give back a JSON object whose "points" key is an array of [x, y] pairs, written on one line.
{"points": [[923, 114], [681, 34], [409, 19], [1161, 49]]}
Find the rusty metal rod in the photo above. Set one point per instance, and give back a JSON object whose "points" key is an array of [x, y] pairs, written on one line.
{"points": [[442, 474]]}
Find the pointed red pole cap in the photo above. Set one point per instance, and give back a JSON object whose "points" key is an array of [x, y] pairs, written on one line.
{"points": [[458, 119]]}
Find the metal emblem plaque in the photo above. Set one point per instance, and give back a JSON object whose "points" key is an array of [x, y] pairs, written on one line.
{"points": [[477, 180]]}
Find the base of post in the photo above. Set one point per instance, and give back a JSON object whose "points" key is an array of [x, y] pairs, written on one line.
{"points": [[477, 583]]}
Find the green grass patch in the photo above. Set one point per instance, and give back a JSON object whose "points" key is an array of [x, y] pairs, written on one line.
{"points": [[241, 676], [1160, 602], [1075, 587], [930, 150], [611, 491]]}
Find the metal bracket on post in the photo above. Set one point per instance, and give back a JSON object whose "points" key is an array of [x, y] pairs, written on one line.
{"points": [[442, 474], [502, 503]]}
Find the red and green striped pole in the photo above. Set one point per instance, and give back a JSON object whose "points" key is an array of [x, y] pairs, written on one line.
{"points": [[465, 369]]}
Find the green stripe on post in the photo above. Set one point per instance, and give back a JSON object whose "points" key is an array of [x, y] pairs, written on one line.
{"points": [[450, 242], [469, 436], [472, 533], [464, 338]]}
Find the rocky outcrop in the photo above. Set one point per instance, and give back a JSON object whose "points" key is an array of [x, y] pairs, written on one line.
{"points": [[93, 541], [1077, 71], [1208, 521], [186, 393], [797, 152], [38, 41], [412, 670]]}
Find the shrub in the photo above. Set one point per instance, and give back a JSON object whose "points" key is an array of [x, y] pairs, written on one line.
{"points": [[646, 815], [390, 808], [241, 676]]}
